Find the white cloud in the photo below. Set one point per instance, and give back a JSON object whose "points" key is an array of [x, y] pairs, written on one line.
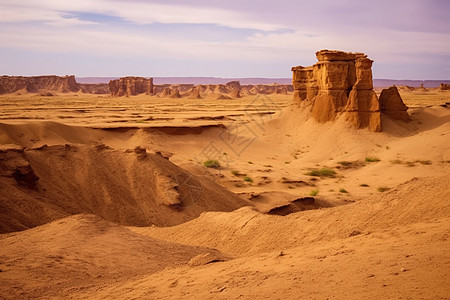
{"points": [[134, 12]]}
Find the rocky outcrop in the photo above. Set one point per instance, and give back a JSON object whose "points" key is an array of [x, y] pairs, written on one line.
{"points": [[392, 105], [37, 84], [195, 93], [94, 88], [340, 83], [130, 86], [444, 86], [230, 90]]}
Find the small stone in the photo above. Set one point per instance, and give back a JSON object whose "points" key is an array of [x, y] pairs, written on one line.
{"points": [[354, 233], [204, 259]]}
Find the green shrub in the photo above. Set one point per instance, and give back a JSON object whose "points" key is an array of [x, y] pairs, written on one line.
{"points": [[212, 163], [324, 172], [237, 173], [248, 179], [372, 159], [383, 189], [345, 163], [313, 192], [343, 190]]}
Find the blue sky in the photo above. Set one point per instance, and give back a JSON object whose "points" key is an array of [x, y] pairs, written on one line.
{"points": [[407, 39]]}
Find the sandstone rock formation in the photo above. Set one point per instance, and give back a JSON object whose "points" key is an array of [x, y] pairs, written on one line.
{"points": [[175, 93], [444, 86], [130, 86], [195, 93], [36, 84], [340, 83], [230, 90], [391, 104], [94, 88]]}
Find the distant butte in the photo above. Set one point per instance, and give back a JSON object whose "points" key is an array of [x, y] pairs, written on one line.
{"points": [[340, 84]]}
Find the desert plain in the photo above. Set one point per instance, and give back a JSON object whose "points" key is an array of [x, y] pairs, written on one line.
{"points": [[237, 197]]}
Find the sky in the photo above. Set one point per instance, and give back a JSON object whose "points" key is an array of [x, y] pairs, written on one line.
{"points": [[407, 39]]}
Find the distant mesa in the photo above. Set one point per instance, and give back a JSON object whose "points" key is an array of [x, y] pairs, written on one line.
{"points": [[36, 84], [131, 86], [48, 85], [444, 86], [340, 84]]}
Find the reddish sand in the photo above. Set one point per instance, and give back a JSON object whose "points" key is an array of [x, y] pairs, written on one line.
{"points": [[125, 209]]}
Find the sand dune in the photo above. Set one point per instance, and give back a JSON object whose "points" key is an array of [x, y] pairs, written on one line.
{"points": [[88, 201], [81, 252], [250, 232], [130, 186]]}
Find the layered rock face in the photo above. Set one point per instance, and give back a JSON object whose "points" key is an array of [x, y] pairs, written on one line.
{"points": [[392, 105], [94, 88], [230, 90], [340, 83], [35, 84], [130, 86], [444, 86]]}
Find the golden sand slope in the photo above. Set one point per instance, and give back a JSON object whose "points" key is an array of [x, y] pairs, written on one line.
{"points": [[81, 252], [127, 186], [359, 244], [386, 247]]}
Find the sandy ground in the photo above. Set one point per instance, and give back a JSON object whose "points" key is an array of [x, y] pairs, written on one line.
{"points": [[124, 207]]}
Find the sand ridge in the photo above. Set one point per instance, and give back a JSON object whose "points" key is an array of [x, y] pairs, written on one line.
{"points": [[355, 240]]}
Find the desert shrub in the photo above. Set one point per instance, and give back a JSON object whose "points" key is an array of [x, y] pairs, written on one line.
{"points": [[372, 159], [383, 189], [345, 163], [342, 190], [364, 185], [324, 172], [237, 173], [248, 179], [313, 192], [212, 163]]}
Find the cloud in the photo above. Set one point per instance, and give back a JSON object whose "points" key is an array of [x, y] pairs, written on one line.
{"points": [[131, 11], [245, 33]]}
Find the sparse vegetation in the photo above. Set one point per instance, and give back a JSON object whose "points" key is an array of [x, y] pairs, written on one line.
{"points": [[251, 163], [342, 190], [424, 162], [372, 159], [313, 192], [382, 189], [237, 173], [364, 185], [345, 163], [212, 163], [411, 163], [324, 172], [248, 179], [268, 166], [287, 162], [350, 164]]}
